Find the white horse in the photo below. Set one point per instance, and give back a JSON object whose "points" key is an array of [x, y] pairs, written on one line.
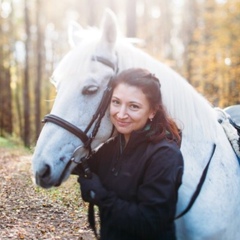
{"points": [[80, 81]]}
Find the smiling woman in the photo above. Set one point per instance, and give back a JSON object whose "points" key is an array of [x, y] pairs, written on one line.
{"points": [[136, 175], [136, 100]]}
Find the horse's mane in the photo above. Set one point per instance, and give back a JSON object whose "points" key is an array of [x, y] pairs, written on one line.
{"points": [[185, 105]]}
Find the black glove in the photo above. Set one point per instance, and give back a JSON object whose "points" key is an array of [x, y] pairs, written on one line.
{"points": [[92, 189]]}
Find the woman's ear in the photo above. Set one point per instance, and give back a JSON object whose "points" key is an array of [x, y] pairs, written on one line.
{"points": [[152, 115]]}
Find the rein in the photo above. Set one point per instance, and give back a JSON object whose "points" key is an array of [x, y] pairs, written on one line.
{"points": [[199, 186]]}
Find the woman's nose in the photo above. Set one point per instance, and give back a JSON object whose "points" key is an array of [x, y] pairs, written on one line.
{"points": [[122, 113]]}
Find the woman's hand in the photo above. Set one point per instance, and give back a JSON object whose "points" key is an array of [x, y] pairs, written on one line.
{"points": [[92, 189]]}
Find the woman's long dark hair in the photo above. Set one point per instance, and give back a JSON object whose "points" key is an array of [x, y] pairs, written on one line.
{"points": [[162, 126]]}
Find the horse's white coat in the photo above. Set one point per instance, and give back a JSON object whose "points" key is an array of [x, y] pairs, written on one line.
{"points": [[216, 213]]}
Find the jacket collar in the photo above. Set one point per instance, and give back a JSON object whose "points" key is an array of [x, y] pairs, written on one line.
{"points": [[136, 138]]}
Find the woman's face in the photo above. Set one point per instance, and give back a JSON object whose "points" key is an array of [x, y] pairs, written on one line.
{"points": [[129, 109]]}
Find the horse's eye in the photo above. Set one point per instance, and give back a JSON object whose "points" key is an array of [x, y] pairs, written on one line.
{"points": [[88, 90]]}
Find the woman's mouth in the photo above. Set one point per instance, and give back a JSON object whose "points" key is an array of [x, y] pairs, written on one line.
{"points": [[122, 124]]}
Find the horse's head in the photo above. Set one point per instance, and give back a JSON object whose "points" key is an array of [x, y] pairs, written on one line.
{"points": [[80, 80]]}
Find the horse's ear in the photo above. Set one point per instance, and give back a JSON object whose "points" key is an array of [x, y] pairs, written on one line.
{"points": [[74, 34], [109, 28]]}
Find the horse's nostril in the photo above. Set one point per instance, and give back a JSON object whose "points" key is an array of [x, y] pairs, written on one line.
{"points": [[43, 177], [62, 159], [45, 173]]}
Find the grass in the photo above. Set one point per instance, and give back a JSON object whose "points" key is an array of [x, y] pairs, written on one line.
{"points": [[14, 145], [5, 143], [68, 193], [30, 212]]}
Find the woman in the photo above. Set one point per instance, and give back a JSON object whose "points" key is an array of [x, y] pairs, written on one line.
{"points": [[136, 175]]}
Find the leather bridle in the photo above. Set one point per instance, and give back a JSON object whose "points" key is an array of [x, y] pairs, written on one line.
{"points": [[95, 122]]}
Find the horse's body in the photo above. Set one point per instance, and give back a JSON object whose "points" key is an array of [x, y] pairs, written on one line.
{"points": [[80, 82]]}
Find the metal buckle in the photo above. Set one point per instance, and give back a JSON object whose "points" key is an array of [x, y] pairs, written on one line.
{"points": [[76, 157]]}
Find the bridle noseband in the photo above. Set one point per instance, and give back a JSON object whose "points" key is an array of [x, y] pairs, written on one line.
{"points": [[84, 136]]}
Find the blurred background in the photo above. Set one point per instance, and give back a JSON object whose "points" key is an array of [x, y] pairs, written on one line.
{"points": [[200, 39]]}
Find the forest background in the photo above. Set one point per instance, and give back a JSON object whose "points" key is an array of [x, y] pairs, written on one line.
{"points": [[200, 39]]}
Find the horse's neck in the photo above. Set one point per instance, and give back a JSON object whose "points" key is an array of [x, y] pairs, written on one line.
{"points": [[188, 108]]}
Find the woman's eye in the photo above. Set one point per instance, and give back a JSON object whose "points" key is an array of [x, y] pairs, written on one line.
{"points": [[134, 107], [115, 102]]}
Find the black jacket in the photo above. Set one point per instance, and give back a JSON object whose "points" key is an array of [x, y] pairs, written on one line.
{"points": [[142, 181]]}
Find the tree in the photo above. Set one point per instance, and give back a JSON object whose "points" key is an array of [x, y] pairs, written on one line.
{"points": [[213, 53], [38, 70], [191, 19], [5, 101], [92, 13], [26, 98], [131, 18], [6, 126]]}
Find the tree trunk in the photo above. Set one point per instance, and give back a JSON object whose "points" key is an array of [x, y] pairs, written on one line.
{"points": [[131, 18], [26, 98], [92, 13], [8, 103], [5, 102], [1, 100], [39, 72], [5, 87], [112, 5]]}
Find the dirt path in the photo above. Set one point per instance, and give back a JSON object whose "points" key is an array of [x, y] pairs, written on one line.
{"points": [[28, 212]]}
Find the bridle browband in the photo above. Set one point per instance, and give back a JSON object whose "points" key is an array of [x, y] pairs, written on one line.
{"points": [[96, 118], [105, 62]]}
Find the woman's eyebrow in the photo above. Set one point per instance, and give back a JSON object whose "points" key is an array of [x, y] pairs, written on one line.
{"points": [[115, 97], [134, 102]]}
